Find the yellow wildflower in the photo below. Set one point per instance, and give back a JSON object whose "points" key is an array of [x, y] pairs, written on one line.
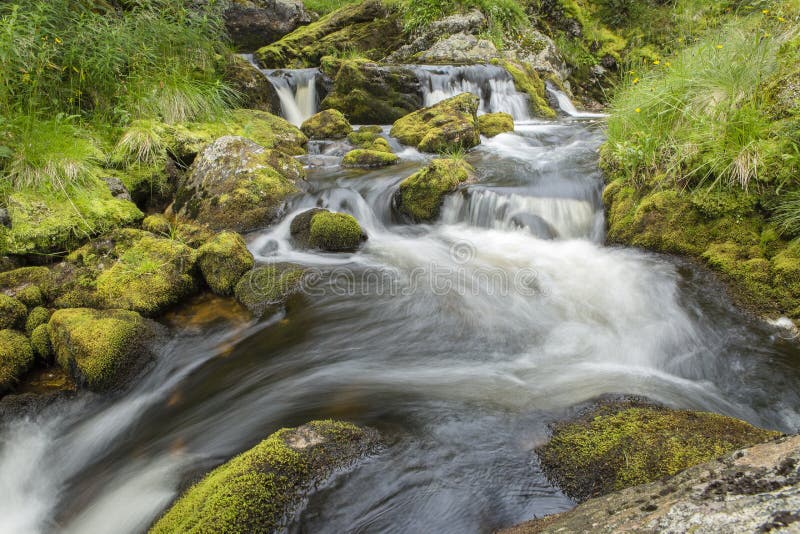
{"points": [[719, 47], [58, 41], [636, 80], [638, 110], [765, 11], [656, 62]]}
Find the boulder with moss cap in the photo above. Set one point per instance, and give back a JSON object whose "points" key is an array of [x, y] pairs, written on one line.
{"points": [[451, 124], [232, 185], [368, 158], [327, 124], [101, 349], [420, 196], [12, 312], [616, 444], [262, 488], [364, 136], [223, 260], [267, 287], [325, 230], [492, 124], [40, 342], [37, 316], [16, 358]]}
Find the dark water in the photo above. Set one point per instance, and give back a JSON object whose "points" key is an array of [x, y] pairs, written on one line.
{"points": [[460, 341]]}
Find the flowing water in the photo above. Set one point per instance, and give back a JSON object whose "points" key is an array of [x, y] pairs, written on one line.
{"points": [[459, 340], [296, 89]]}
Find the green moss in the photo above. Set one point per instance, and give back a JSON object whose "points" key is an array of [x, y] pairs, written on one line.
{"points": [[148, 185], [449, 125], [717, 203], [362, 138], [18, 279], [157, 224], [16, 357], [335, 232], [527, 80], [381, 145], [369, 158], [45, 221], [40, 342], [259, 490], [492, 124], [12, 312], [421, 195], [99, 348], [37, 316], [30, 295], [617, 446], [266, 287], [327, 124], [223, 260]]}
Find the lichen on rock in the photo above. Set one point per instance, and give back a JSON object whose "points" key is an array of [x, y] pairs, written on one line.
{"points": [[420, 196], [449, 125]]}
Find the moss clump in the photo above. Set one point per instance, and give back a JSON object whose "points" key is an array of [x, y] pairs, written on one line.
{"points": [[100, 349], [12, 312], [157, 224], [328, 124], [267, 287], [325, 230], [259, 490], [420, 196], [31, 296], [381, 145], [527, 80], [16, 357], [40, 342], [618, 445], [45, 221], [492, 124], [223, 260], [365, 136], [368, 158], [448, 125], [38, 316], [18, 279]]}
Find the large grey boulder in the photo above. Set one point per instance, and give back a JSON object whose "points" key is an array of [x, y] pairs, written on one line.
{"points": [[460, 48], [254, 23]]}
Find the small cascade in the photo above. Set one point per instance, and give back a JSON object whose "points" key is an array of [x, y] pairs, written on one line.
{"points": [[546, 218], [566, 105], [492, 84], [296, 89]]}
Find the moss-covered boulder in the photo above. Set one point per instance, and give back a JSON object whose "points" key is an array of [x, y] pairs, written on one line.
{"points": [[492, 124], [40, 342], [18, 282], [325, 230], [261, 489], [619, 444], [223, 260], [371, 27], [527, 80], [37, 317], [46, 221], [232, 186], [361, 158], [157, 224], [16, 358], [449, 125], [255, 90], [327, 124], [368, 93], [365, 136], [100, 349], [12, 312], [420, 196], [268, 287]]}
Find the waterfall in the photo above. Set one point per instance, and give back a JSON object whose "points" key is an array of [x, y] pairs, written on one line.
{"points": [[566, 105], [492, 84], [296, 89]]}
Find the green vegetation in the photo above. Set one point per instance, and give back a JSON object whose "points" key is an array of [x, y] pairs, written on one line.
{"points": [[452, 123], [323, 7], [37, 317], [16, 357], [223, 260], [324, 230], [327, 124], [268, 286], [40, 342], [368, 158], [421, 195], [12, 312], [625, 444], [504, 15], [492, 124]]}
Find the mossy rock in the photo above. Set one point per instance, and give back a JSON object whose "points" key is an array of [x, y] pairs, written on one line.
{"points": [[40, 342], [327, 124], [527, 81], [232, 185], [449, 125], [381, 145], [261, 489], [151, 186], [492, 124], [223, 260], [421, 195], [157, 224], [325, 230], [620, 444], [45, 221], [370, 27], [361, 158], [16, 358], [12, 313], [255, 90], [18, 281], [31, 296], [37, 317], [267, 287], [364, 137], [100, 349]]}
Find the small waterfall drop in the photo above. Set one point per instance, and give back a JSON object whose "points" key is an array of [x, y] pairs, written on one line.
{"points": [[492, 84], [566, 105], [296, 89]]}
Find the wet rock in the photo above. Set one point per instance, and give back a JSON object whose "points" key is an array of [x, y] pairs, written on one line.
{"points": [[619, 444], [117, 188], [232, 185], [327, 124], [255, 23], [268, 287], [101, 349], [368, 158], [30, 404], [16, 358], [223, 260], [527, 80], [255, 90], [461, 48], [492, 124], [420, 196], [448, 125], [5, 220], [324, 230], [261, 489], [756, 489]]}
